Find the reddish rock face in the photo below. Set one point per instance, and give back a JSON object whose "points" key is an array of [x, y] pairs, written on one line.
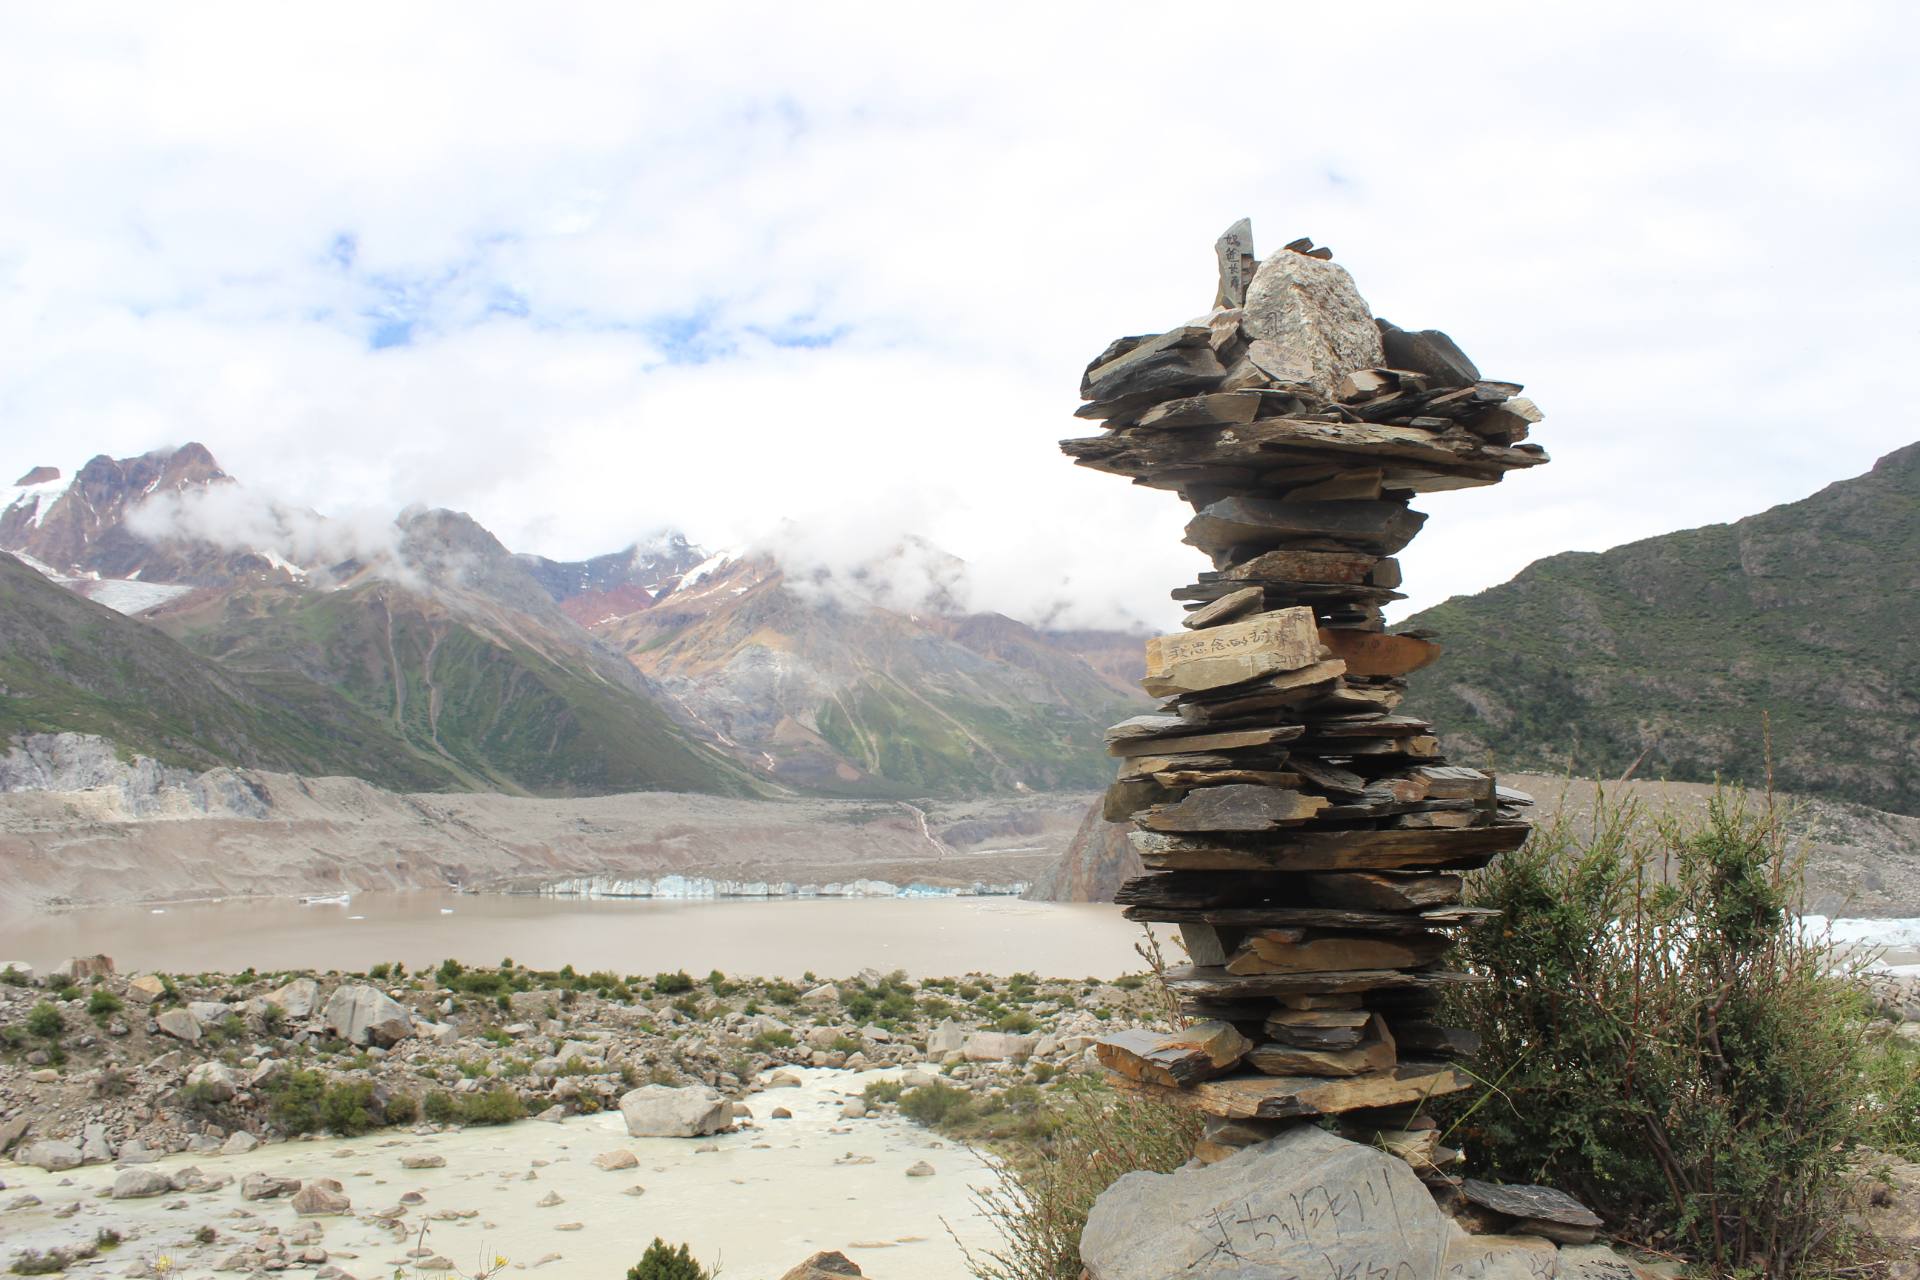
{"points": [[81, 529]]}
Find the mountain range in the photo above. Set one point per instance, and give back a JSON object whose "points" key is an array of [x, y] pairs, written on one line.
{"points": [[432, 658], [1783, 645]]}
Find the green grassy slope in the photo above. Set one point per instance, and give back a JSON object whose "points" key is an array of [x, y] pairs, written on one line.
{"points": [[499, 707], [69, 665], [1675, 647]]}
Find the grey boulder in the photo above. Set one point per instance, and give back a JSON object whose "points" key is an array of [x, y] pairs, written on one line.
{"points": [[1305, 1202], [52, 1154], [320, 1197], [179, 1024], [261, 1185], [298, 999], [140, 1184], [363, 1014], [213, 1081], [661, 1111]]}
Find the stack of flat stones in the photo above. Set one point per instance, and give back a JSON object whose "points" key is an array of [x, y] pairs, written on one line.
{"points": [[1307, 840]]}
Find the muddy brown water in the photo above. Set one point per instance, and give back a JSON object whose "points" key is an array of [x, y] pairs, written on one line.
{"points": [[931, 937]]}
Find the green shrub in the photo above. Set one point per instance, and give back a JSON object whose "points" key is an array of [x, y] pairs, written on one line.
{"points": [[770, 1040], [293, 1101], [498, 1105], [846, 1044], [45, 1021], [882, 1091], [660, 1262], [402, 1108], [672, 984], [103, 1004], [1668, 1044], [936, 1105], [348, 1108], [1019, 1022], [439, 1107]]}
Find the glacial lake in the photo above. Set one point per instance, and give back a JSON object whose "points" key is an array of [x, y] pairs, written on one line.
{"points": [[831, 937]]}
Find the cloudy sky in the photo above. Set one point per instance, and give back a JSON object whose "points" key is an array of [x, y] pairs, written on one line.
{"points": [[586, 271]]}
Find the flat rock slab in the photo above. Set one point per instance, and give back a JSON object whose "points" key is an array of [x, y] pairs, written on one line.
{"points": [[1258, 1097], [1540, 1204], [1305, 1203]]}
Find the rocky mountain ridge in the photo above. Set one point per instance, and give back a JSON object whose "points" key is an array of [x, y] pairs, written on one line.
{"points": [[1783, 646], [474, 667]]}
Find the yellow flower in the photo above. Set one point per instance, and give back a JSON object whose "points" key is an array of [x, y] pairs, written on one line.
{"points": [[163, 1264]]}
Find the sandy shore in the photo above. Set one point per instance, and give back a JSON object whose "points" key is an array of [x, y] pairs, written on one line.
{"points": [[757, 1200]]}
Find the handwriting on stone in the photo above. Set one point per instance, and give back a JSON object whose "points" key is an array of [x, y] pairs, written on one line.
{"points": [[1318, 1234]]}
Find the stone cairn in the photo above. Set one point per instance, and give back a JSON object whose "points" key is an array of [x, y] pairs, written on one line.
{"points": [[1307, 840]]}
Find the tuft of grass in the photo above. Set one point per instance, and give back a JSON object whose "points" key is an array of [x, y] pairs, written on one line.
{"points": [[1042, 1192]]}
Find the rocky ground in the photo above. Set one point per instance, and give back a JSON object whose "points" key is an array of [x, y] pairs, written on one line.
{"points": [[123, 834], [190, 1124], [199, 1063]]}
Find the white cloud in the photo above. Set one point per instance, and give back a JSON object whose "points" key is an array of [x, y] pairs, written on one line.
{"points": [[1685, 227]]}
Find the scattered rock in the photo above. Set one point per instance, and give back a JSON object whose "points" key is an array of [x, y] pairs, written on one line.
{"points": [[612, 1161], [86, 968], [662, 1111], [140, 1184], [321, 1196], [363, 1014], [920, 1169], [823, 1266], [238, 1143], [297, 999], [214, 1081], [179, 1024], [145, 989], [423, 1162], [260, 1185], [53, 1155], [999, 1046]]}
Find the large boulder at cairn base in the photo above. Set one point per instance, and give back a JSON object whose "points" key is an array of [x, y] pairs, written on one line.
{"points": [[1305, 1203], [1306, 323], [661, 1111], [363, 1014]]}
